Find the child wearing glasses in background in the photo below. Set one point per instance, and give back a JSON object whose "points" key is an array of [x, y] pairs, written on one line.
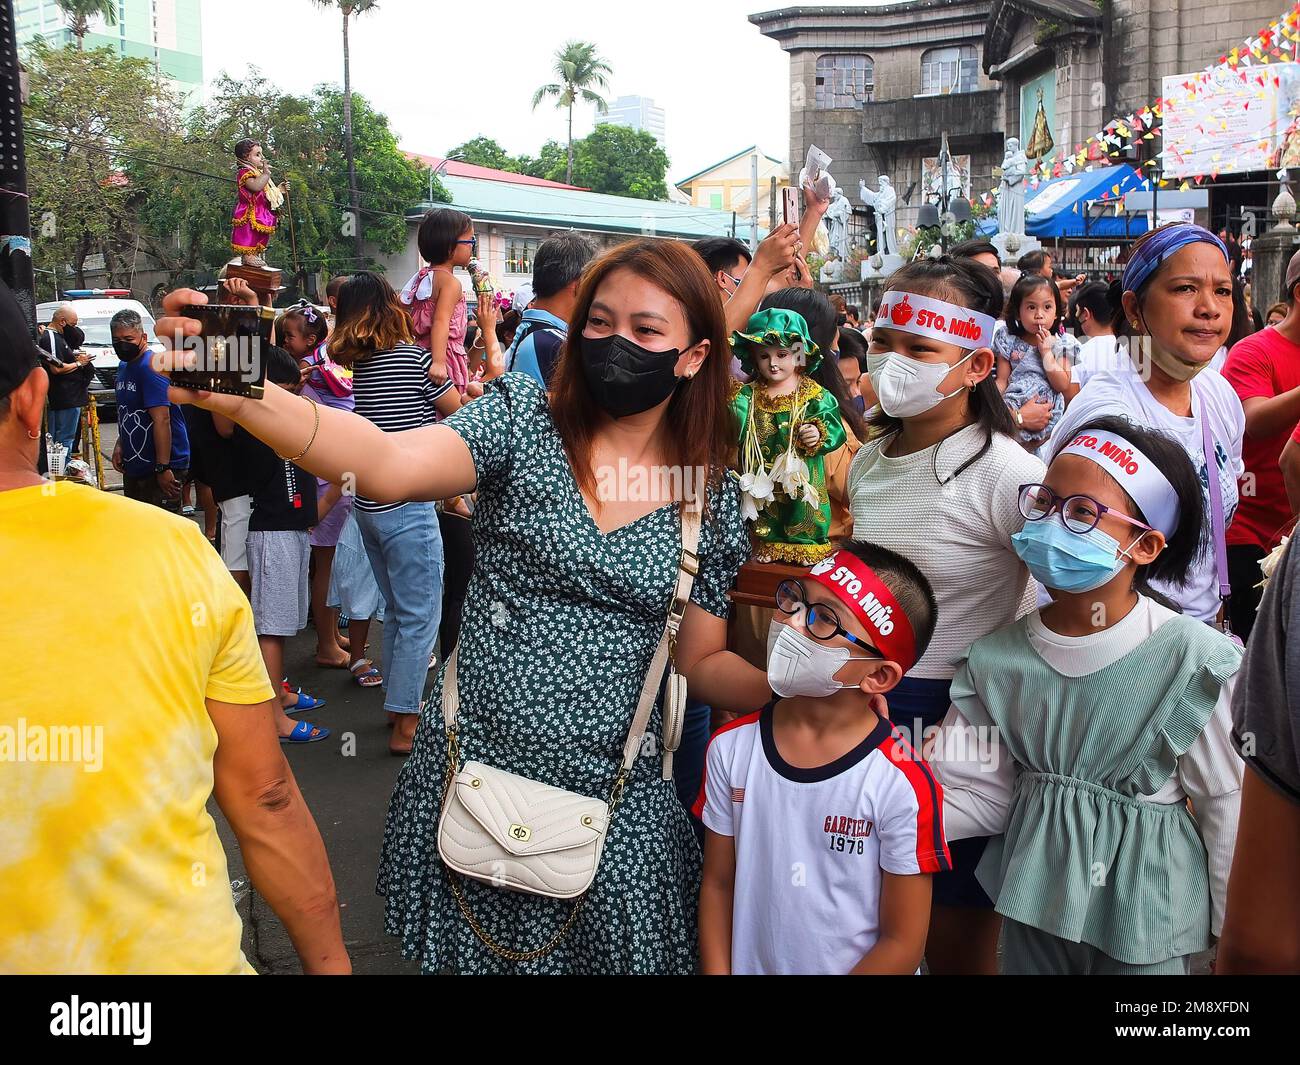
{"points": [[1112, 712], [823, 824], [436, 298]]}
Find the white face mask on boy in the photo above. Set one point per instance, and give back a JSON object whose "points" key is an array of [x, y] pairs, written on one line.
{"points": [[799, 665]]}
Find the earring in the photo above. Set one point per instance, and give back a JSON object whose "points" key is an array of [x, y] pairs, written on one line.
{"points": [[689, 374], [33, 436]]}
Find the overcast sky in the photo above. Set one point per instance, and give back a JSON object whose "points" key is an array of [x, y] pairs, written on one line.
{"points": [[444, 73]]}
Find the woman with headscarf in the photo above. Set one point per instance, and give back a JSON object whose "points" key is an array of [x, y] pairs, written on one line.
{"points": [[1177, 304]]}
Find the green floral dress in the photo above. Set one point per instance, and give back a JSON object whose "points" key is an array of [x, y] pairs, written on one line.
{"points": [[559, 627]]}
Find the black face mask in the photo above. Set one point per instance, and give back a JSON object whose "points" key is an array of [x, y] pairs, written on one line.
{"points": [[625, 378], [126, 351]]}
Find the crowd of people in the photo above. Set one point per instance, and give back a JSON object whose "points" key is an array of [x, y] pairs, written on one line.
{"points": [[1006, 724]]}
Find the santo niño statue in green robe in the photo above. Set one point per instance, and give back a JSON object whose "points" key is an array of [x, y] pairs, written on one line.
{"points": [[788, 423]]}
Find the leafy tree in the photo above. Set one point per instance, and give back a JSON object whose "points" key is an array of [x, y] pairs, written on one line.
{"points": [[303, 138], [578, 68], [80, 12], [114, 170], [88, 111], [551, 164], [348, 8], [484, 151], [622, 162]]}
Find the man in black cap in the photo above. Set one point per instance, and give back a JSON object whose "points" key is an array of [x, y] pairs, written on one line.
{"points": [[122, 868]]}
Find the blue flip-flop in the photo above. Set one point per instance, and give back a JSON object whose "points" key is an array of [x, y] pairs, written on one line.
{"points": [[305, 702], [302, 733]]}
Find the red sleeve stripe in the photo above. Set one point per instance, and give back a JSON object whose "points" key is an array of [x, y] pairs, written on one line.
{"points": [[931, 848], [697, 810]]}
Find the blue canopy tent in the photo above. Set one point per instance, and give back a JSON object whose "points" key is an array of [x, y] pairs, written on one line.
{"points": [[1059, 208]]}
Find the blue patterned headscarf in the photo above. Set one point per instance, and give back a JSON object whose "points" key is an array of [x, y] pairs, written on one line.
{"points": [[1162, 243]]}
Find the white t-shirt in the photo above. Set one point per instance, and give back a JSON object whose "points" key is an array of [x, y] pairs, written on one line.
{"points": [[957, 533], [1098, 355], [977, 794], [1126, 394], [811, 843]]}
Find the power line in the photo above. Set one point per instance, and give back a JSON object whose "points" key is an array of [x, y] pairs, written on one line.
{"points": [[159, 164], [140, 157]]}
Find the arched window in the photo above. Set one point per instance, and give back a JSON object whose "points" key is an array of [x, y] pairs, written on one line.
{"points": [[844, 81], [945, 70]]}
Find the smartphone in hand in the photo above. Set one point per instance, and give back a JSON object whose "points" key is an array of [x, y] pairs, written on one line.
{"points": [[230, 349], [790, 204]]}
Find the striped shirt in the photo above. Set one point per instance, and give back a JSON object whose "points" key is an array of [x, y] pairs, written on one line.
{"points": [[392, 389]]}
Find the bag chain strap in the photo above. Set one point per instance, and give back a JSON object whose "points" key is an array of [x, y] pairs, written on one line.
{"points": [[690, 563], [506, 953]]}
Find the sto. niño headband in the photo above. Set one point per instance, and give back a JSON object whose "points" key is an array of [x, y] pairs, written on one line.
{"points": [[1134, 472], [936, 319], [1162, 243], [854, 583]]}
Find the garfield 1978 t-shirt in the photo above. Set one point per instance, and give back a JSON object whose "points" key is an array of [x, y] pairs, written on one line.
{"points": [[811, 844]]}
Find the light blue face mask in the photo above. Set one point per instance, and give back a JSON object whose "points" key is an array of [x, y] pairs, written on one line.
{"points": [[1066, 561]]}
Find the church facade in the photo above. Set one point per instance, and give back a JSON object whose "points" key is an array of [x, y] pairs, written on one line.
{"points": [[877, 86]]}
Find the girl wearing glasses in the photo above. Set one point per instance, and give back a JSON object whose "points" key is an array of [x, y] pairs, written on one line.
{"points": [[439, 313], [1112, 711], [938, 485]]}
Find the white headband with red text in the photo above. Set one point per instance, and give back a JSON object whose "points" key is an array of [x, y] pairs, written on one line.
{"points": [[1135, 473], [936, 319]]}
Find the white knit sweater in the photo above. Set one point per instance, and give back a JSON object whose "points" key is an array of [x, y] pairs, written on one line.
{"points": [[958, 534]]}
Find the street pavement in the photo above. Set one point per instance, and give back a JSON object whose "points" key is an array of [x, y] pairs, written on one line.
{"points": [[346, 780]]}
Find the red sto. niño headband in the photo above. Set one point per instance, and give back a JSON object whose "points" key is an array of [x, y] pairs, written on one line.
{"points": [[854, 583]]}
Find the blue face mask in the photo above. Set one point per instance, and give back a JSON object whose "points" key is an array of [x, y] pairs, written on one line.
{"points": [[1066, 561]]}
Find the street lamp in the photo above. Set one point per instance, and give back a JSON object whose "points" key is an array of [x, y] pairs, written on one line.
{"points": [[440, 169]]}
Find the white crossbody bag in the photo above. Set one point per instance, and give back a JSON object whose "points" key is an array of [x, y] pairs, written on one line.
{"points": [[523, 835]]}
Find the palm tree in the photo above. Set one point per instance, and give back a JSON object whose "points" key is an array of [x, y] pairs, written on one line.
{"points": [[80, 12], [350, 8], [577, 66]]}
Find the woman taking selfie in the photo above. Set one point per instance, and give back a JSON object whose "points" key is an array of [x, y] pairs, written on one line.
{"points": [[572, 580]]}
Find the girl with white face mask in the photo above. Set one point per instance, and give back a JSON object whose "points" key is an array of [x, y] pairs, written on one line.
{"points": [[939, 485]]}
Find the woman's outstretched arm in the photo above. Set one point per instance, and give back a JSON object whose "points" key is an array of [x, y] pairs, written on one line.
{"points": [[420, 464]]}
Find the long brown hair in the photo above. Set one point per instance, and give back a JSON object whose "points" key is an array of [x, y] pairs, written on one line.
{"points": [[369, 318], [700, 430]]}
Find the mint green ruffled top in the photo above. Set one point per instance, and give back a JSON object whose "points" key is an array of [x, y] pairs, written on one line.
{"points": [[1083, 857]]}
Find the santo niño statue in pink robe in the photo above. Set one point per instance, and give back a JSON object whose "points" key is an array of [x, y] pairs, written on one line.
{"points": [[254, 219]]}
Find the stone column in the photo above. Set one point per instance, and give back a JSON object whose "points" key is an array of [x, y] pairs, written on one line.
{"points": [[1271, 251]]}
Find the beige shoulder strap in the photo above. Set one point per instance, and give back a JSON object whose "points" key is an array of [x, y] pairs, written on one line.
{"points": [[687, 569]]}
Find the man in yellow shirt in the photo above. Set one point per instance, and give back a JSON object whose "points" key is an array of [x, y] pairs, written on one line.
{"points": [[140, 692]]}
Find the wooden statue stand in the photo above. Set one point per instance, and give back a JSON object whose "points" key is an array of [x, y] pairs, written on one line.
{"points": [[756, 588], [756, 583], [265, 281]]}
